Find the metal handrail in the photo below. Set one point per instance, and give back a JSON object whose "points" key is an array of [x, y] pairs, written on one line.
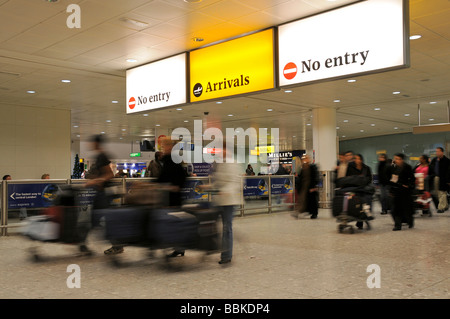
{"points": [[123, 182]]}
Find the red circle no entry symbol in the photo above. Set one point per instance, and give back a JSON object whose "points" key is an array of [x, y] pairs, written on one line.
{"points": [[290, 71], [132, 103]]}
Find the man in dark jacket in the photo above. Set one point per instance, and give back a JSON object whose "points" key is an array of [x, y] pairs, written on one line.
{"points": [[439, 179], [402, 183], [172, 175]]}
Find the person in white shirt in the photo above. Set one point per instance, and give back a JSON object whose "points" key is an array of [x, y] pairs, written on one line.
{"points": [[226, 184]]}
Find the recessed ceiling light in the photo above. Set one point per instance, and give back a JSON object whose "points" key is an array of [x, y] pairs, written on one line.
{"points": [[337, 101], [396, 92], [157, 125], [345, 121], [361, 131], [124, 129], [343, 136], [145, 114], [108, 121], [287, 91], [396, 128], [179, 109], [269, 110], [337, 127], [65, 81], [131, 60], [377, 109], [433, 102], [372, 124], [75, 126], [102, 132], [31, 92], [407, 114], [430, 119], [219, 102], [230, 115], [115, 102], [351, 81], [415, 37], [185, 121], [308, 124]]}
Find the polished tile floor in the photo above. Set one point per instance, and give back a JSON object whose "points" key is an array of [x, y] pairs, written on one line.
{"points": [[275, 257]]}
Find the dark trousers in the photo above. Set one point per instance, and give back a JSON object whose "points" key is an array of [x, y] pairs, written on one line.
{"points": [[403, 208], [313, 203], [101, 201]]}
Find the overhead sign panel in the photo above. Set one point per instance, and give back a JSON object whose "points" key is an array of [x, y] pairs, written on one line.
{"points": [[157, 85], [238, 66], [365, 37]]}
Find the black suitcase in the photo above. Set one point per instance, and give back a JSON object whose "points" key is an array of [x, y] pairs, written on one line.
{"points": [[126, 225], [174, 228], [354, 206]]}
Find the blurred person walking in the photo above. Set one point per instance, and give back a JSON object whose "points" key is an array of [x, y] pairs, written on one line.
{"points": [[172, 179], [225, 182], [383, 168], [306, 186], [421, 173], [155, 165], [99, 178], [358, 168], [402, 183], [439, 178]]}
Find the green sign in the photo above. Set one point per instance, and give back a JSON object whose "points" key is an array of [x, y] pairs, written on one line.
{"points": [[135, 154]]}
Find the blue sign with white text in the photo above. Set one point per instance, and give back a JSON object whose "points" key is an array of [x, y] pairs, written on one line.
{"points": [[31, 195]]}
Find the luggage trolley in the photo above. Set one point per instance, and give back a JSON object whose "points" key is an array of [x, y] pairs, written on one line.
{"points": [[155, 227], [65, 222], [351, 210]]}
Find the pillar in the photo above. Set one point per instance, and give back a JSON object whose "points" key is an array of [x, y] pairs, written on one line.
{"points": [[324, 138]]}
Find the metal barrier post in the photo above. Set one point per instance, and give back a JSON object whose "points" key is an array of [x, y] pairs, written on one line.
{"points": [[4, 208], [326, 192], [242, 197], [270, 196]]}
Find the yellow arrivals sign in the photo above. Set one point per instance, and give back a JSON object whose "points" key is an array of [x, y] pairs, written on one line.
{"points": [[238, 66]]}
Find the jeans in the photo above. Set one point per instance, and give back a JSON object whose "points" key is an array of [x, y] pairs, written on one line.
{"points": [[384, 198], [227, 213]]}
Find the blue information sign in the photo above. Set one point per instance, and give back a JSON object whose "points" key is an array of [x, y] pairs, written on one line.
{"points": [[31, 195], [191, 191], [255, 187], [281, 185]]}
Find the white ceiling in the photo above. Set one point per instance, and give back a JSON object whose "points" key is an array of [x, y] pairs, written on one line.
{"points": [[38, 50]]}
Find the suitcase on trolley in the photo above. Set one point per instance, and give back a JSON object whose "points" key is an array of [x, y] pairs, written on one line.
{"points": [[126, 225], [173, 228]]}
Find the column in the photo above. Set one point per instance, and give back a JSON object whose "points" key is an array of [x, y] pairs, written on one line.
{"points": [[324, 138], [325, 151]]}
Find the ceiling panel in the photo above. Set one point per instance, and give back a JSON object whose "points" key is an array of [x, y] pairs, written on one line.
{"points": [[38, 50]]}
